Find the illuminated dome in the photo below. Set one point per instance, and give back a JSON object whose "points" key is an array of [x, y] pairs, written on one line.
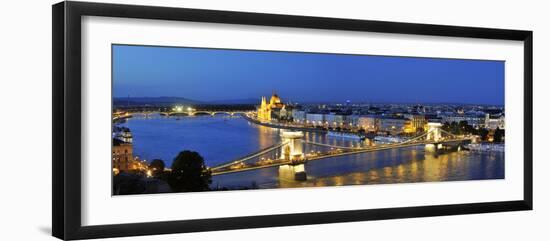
{"points": [[275, 99]]}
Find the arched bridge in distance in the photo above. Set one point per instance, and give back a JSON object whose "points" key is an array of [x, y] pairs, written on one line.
{"points": [[185, 112], [203, 112], [293, 158]]}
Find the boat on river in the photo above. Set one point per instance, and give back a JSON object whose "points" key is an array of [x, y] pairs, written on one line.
{"points": [[346, 135]]}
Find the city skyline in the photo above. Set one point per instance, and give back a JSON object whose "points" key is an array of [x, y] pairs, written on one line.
{"points": [[204, 75], [219, 119]]}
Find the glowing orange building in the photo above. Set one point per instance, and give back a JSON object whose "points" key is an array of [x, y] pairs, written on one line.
{"points": [[266, 109], [122, 155]]}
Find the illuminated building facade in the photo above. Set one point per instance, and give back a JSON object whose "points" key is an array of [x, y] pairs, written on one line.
{"points": [[271, 110], [315, 119], [369, 123], [417, 123], [493, 122], [122, 155], [394, 125]]}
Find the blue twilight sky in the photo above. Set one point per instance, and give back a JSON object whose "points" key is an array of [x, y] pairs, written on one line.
{"points": [[218, 74]]}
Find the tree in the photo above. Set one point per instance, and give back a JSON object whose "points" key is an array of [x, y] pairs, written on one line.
{"points": [[446, 126], [459, 128], [158, 167], [463, 127], [189, 173], [499, 135], [452, 127], [483, 133], [127, 183]]}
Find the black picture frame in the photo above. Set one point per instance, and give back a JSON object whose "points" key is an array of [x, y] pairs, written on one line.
{"points": [[66, 75]]}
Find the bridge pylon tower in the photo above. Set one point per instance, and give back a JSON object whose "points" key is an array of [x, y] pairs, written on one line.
{"points": [[293, 152], [434, 131], [434, 135]]}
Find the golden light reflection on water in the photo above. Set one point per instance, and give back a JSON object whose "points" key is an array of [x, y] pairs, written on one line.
{"points": [[387, 171], [421, 168], [265, 136], [434, 168], [358, 178], [322, 183], [338, 180], [400, 172], [372, 175], [414, 170], [392, 166]]}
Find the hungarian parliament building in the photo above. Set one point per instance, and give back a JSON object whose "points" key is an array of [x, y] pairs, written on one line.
{"points": [[272, 110], [393, 120]]}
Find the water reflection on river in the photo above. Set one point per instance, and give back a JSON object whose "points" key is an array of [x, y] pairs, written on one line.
{"points": [[220, 139]]}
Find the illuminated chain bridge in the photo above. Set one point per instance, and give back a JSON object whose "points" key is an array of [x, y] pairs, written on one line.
{"points": [[292, 157]]}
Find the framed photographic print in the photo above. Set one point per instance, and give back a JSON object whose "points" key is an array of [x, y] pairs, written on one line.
{"points": [[229, 120]]}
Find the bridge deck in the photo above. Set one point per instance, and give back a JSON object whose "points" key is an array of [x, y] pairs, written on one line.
{"points": [[364, 150], [249, 156]]}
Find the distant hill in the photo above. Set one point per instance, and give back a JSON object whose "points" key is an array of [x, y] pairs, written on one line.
{"points": [[169, 101], [133, 101], [235, 102]]}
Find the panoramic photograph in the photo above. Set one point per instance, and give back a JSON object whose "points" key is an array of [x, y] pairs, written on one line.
{"points": [[187, 119]]}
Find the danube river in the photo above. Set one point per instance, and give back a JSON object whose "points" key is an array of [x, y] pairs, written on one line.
{"points": [[222, 138]]}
